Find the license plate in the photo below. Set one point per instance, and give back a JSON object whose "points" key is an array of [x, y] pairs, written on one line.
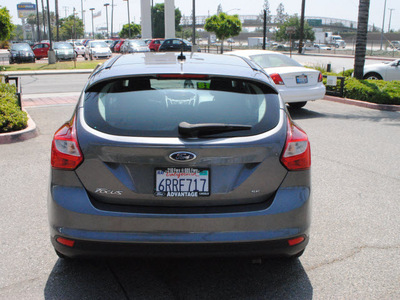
{"points": [[301, 79], [182, 182]]}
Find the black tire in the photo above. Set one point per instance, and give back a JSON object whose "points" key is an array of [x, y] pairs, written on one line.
{"points": [[297, 105], [372, 76], [37, 58], [85, 57]]}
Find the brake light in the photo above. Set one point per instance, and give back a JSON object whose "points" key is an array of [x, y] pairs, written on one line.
{"points": [[296, 155], [277, 78], [183, 76], [65, 242], [65, 152], [320, 77]]}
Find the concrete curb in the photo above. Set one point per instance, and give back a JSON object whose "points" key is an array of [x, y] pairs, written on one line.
{"points": [[47, 72], [29, 132], [385, 107]]}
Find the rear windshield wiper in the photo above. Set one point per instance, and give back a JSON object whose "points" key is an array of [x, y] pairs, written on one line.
{"points": [[196, 130]]}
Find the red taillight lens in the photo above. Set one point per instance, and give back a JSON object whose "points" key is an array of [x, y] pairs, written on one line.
{"points": [[65, 152], [320, 77], [296, 155], [277, 78], [296, 241], [65, 242]]}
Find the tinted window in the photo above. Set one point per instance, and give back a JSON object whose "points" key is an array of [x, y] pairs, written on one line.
{"points": [[98, 45], [155, 107], [274, 60], [21, 47]]}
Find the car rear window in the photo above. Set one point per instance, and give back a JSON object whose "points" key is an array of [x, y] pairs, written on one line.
{"points": [[274, 60], [154, 107]]}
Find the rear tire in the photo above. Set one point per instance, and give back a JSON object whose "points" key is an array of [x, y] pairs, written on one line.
{"points": [[297, 105], [372, 76]]}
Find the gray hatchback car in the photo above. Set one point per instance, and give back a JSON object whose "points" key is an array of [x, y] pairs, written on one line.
{"points": [[167, 155]]}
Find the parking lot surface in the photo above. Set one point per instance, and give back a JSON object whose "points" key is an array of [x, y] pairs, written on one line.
{"points": [[353, 252]]}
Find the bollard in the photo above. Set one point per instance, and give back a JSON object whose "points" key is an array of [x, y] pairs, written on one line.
{"points": [[328, 68]]}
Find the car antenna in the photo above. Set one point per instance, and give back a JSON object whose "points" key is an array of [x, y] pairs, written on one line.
{"points": [[181, 57]]}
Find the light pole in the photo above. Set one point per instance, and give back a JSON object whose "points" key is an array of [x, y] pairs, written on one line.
{"points": [[92, 9], [232, 10], [194, 26], [112, 16], [390, 17], [106, 5], [37, 21], [50, 54], [383, 23], [57, 17], [129, 20]]}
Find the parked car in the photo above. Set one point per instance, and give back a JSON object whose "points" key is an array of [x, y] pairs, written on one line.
{"points": [[21, 52], [155, 44], [322, 47], [131, 46], [63, 51], [296, 84], [41, 50], [113, 45], [387, 71], [117, 47], [175, 45], [97, 49], [395, 45], [78, 48], [179, 157]]}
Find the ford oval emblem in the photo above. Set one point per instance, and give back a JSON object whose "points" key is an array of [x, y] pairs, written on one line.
{"points": [[182, 156]]}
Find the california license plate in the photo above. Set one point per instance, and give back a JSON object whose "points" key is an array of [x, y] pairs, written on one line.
{"points": [[182, 182], [301, 79]]}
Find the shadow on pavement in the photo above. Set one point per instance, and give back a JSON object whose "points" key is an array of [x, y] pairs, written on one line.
{"points": [[304, 113], [231, 278]]}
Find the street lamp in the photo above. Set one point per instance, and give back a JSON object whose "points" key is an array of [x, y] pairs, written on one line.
{"points": [[390, 17], [129, 20], [106, 5], [92, 9], [232, 10], [383, 23]]}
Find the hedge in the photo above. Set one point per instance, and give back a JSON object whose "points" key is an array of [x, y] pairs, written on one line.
{"points": [[375, 91], [12, 118]]}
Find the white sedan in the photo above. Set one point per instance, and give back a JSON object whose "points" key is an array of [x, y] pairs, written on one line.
{"points": [[295, 83], [387, 71]]}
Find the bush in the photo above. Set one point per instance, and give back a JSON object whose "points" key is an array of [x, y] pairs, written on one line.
{"points": [[375, 91], [11, 116]]}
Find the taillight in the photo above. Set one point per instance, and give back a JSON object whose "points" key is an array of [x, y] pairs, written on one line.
{"points": [[65, 152], [277, 78], [320, 77], [296, 155]]}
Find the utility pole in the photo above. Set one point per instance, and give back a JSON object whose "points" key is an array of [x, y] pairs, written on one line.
{"points": [[265, 30], [106, 5], [112, 16], [383, 23], [390, 17], [50, 54], [194, 25], [92, 9], [44, 19], [58, 34], [303, 7], [129, 19], [37, 21]]}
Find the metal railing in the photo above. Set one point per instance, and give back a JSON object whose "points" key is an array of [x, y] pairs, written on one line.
{"points": [[16, 80]]}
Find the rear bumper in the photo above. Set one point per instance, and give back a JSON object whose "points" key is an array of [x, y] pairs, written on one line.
{"points": [[294, 94], [263, 231]]}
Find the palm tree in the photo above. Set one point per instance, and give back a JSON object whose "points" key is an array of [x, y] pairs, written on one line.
{"points": [[361, 41]]}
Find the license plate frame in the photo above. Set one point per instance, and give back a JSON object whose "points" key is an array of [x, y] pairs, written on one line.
{"points": [[182, 182], [302, 79]]}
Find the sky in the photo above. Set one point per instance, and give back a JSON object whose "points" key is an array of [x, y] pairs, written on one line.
{"points": [[341, 9]]}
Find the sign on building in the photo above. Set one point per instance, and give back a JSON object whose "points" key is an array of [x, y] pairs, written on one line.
{"points": [[25, 9]]}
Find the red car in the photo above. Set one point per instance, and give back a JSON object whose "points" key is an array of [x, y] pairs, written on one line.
{"points": [[155, 44], [41, 49], [117, 47]]}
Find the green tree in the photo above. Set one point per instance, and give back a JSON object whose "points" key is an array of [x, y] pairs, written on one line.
{"points": [[158, 25], [294, 21], [6, 27], [71, 27], [136, 29], [224, 26], [281, 16], [361, 40], [18, 33]]}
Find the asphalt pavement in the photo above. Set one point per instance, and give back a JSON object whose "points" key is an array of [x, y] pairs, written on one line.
{"points": [[353, 252]]}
